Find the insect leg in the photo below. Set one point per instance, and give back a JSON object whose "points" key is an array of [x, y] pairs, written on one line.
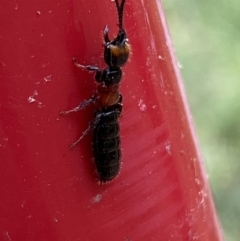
{"points": [[91, 126], [79, 107], [87, 67], [99, 72]]}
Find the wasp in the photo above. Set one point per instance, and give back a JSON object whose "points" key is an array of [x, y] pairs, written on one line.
{"points": [[108, 102]]}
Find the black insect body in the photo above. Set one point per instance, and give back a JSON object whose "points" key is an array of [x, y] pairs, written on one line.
{"points": [[107, 151], [108, 102]]}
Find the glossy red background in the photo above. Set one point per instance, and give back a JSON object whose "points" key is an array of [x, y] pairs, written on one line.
{"points": [[49, 192]]}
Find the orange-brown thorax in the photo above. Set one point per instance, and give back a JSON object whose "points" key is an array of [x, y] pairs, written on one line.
{"points": [[120, 50], [107, 96]]}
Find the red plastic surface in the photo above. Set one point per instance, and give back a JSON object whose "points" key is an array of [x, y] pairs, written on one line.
{"points": [[49, 192]]}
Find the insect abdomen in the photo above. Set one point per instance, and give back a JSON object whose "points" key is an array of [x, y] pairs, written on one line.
{"points": [[107, 153]]}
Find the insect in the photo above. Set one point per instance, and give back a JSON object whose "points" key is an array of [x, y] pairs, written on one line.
{"points": [[108, 102]]}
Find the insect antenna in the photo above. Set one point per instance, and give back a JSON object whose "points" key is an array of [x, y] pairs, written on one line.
{"points": [[120, 13]]}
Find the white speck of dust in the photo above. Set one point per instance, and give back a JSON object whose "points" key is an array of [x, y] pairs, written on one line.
{"points": [[40, 105], [97, 199], [179, 65], [48, 78], [31, 98], [148, 62], [142, 105], [38, 13], [202, 194], [197, 181], [23, 204], [168, 149], [55, 220], [7, 235]]}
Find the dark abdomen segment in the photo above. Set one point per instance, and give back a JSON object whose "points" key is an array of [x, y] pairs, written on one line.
{"points": [[106, 143]]}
